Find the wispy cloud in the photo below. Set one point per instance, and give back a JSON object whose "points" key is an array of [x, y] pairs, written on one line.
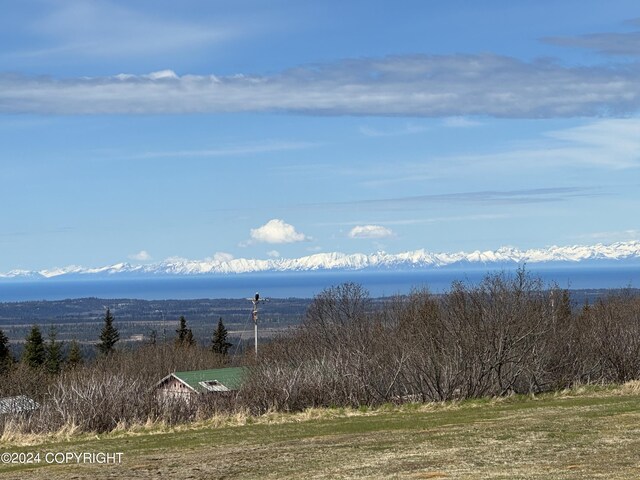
{"points": [[608, 143], [600, 145], [612, 142], [420, 85], [232, 150], [417, 221], [506, 197], [608, 43], [103, 29]]}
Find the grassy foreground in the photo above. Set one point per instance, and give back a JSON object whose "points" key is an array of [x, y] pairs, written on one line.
{"points": [[580, 434]]}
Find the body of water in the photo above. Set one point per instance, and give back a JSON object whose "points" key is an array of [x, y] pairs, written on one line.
{"points": [[299, 284]]}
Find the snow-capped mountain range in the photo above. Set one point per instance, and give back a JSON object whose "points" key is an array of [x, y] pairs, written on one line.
{"points": [[621, 252]]}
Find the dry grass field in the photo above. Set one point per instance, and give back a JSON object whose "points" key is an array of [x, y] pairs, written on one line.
{"points": [[584, 433]]}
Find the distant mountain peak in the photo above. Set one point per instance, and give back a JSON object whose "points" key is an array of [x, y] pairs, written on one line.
{"points": [[506, 255]]}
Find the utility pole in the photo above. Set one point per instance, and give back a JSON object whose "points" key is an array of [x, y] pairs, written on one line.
{"points": [[164, 327], [254, 314]]}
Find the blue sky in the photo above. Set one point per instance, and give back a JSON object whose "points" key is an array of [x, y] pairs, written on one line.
{"points": [[139, 131]]}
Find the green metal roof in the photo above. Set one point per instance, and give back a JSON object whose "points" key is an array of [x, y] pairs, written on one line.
{"points": [[231, 378]]}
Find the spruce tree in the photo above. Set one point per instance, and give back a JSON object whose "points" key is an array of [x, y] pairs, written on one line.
{"points": [[185, 335], [34, 354], [75, 354], [5, 353], [181, 331], [109, 335], [54, 353], [219, 343]]}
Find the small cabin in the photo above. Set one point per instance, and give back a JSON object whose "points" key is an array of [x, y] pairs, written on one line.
{"points": [[200, 382]]}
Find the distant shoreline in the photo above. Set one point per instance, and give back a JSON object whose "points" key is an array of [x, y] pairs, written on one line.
{"points": [[380, 283]]}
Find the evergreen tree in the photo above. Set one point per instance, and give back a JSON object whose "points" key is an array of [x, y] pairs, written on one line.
{"points": [[5, 353], [185, 335], [219, 343], [75, 354], [34, 354], [153, 337], [109, 335], [53, 352], [181, 331]]}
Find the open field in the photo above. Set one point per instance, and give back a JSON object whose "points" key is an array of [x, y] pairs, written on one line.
{"points": [[584, 433]]}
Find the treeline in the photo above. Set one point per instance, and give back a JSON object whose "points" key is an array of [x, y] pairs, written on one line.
{"points": [[53, 355], [509, 334]]}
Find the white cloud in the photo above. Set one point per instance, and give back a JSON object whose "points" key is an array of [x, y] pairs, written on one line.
{"points": [[141, 256], [222, 257], [419, 85], [370, 231], [273, 253], [277, 231]]}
